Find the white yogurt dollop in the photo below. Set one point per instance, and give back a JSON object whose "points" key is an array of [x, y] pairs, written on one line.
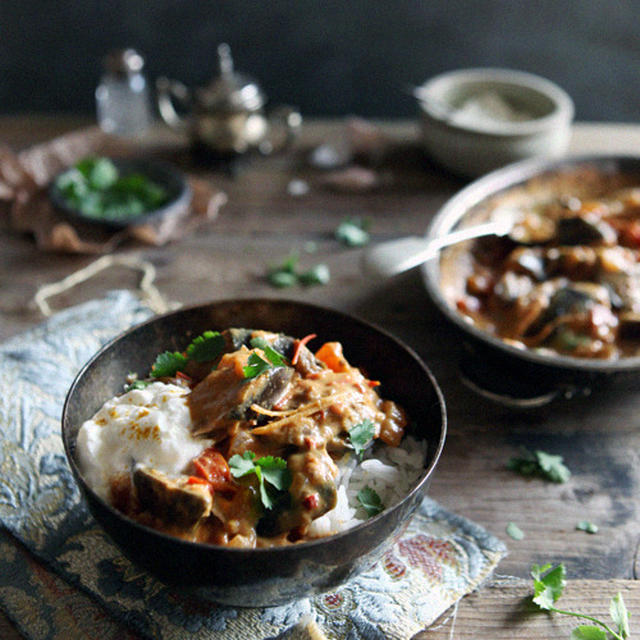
{"points": [[150, 426]]}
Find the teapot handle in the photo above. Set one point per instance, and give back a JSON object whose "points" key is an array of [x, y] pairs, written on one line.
{"points": [[168, 91], [286, 121]]}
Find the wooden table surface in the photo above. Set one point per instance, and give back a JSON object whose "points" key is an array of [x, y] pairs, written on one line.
{"points": [[599, 436]]}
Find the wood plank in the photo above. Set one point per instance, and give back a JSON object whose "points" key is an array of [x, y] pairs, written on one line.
{"points": [[597, 435], [505, 612]]}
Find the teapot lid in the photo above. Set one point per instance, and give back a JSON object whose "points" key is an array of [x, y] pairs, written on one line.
{"points": [[231, 91]]}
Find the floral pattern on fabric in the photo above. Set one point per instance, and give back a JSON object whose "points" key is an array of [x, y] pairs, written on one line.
{"points": [[89, 590]]}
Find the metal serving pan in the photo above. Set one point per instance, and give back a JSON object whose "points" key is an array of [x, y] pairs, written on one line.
{"points": [[561, 374]]}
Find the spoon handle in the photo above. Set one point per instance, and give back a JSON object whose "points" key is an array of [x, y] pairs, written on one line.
{"points": [[395, 256]]}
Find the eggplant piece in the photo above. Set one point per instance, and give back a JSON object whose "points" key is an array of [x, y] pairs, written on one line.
{"points": [[564, 302], [586, 229], [172, 500], [264, 390]]}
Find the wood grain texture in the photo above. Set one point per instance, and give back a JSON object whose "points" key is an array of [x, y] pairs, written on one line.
{"points": [[598, 436]]}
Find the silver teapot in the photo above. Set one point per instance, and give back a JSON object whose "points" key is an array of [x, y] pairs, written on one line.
{"points": [[227, 117]]}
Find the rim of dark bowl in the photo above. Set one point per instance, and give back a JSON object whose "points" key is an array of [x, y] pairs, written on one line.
{"points": [[492, 184], [161, 172], [275, 549]]}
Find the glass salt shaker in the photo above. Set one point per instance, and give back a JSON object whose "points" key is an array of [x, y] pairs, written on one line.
{"points": [[122, 97]]}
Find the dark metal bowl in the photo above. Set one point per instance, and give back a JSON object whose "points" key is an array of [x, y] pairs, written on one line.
{"points": [[546, 367], [259, 577], [163, 174]]}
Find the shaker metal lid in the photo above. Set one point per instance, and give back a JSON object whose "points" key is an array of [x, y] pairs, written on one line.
{"points": [[230, 91]]}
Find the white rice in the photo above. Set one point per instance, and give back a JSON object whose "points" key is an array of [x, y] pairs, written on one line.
{"points": [[390, 471]]}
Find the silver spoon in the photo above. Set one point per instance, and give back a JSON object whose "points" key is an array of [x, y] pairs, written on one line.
{"points": [[395, 256]]}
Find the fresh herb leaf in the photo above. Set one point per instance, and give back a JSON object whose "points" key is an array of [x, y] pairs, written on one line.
{"points": [[206, 347], [95, 188], [541, 464], [552, 467], [514, 531], [588, 632], [619, 615], [370, 501], [168, 364], [255, 366], [352, 232], [137, 384], [548, 586], [361, 435], [241, 465], [319, 274], [589, 527], [274, 357], [275, 472], [268, 469], [287, 274], [282, 279]]}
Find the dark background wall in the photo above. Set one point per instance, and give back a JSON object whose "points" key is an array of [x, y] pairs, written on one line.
{"points": [[328, 57]]}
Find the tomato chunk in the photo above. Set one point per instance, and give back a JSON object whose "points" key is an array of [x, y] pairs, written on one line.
{"points": [[212, 466]]}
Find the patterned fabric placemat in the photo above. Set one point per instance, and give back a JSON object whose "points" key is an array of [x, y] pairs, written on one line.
{"points": [[439, 558]]}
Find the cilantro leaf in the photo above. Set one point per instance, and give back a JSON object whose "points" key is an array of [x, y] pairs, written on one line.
{"points": [[275, 357], [588, 632], [275, 472], [282, 279], [206, 347], [137, 384], [255, 366], [352, 232], [589, 527], [548, 585], [287, 274], [319, 274], [553, 467], [541, 464], [268, 469], [361, 435], [168, 364], [619, 615], [241, 465], [370, 501], [514, 531]]}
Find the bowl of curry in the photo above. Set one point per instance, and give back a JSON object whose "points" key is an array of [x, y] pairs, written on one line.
{"points": [[563, 289], [254, 450]]}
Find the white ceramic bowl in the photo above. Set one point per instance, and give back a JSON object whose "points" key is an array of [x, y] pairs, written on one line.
{"points": [[476, 120]]}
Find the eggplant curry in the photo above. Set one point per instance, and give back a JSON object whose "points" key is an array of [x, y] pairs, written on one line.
{"points": [[566, 280], [273, 419]]}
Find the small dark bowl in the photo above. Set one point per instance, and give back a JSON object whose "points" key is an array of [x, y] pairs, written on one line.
{"points": [[163, 174], [259, 577], [550, 373]]}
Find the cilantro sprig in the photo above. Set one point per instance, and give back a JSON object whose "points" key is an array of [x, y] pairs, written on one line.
{"points": [[287, 274], [268, 469], [370, 501], [204, 348], [257, 365], [548, 586], [361, 435], [540, 463], [353, 232]]}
